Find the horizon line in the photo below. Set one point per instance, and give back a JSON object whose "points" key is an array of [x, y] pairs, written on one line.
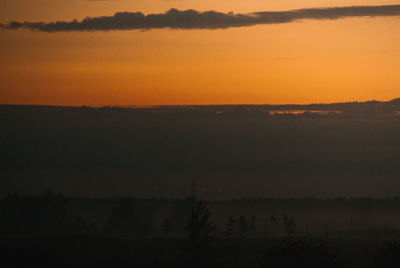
{"points": [[133, 106]]}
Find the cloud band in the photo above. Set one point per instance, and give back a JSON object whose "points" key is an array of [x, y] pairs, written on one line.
{"points": [[192, 19]]}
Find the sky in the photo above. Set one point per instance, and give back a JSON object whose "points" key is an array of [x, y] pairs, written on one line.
{"points": [[300, 61]]}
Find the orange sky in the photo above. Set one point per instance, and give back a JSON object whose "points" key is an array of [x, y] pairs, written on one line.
{"points": [[301, 62]]}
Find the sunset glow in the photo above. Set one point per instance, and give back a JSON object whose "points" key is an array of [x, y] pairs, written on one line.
{"points": [[351, 59]]}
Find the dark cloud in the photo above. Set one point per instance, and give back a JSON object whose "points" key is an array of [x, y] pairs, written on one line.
{"points": [[192, 19]]}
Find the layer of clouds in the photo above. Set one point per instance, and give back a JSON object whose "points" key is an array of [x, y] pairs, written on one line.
{"points": [[192, 19]]}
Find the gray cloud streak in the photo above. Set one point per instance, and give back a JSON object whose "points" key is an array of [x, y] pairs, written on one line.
{"points": [[192, 19]]}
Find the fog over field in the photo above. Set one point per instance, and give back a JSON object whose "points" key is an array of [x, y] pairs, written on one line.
{"points": [[233, 151]]}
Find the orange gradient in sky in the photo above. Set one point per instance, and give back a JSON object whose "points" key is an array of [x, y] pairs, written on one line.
{"points": [[301, 62]]}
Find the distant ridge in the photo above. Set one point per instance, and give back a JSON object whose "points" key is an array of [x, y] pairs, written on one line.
{"points": [[395, 101]]}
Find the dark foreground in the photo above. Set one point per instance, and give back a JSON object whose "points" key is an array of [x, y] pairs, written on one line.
{"points": [[53, 231], [92, 251]]}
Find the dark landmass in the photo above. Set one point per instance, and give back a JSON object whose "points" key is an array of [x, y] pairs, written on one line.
{"points": [[92, 251], [234, 151], [51, 230], [50, 214]]}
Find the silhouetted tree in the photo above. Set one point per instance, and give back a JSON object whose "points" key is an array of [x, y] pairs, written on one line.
{"points": [[265, 228], [289, 225], [180, 214], [79, 226], [275, 221], [166, 226], [230, 227], [200, 231], [123, 220], [252, 225], [242, 226], [145, 219], [44, 214]]}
